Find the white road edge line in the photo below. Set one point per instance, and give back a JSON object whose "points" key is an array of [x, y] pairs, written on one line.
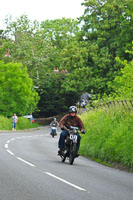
{"points": [[73, 185], [28, 163]]}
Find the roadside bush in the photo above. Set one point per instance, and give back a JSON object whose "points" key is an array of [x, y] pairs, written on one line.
{"points": [[109, 135], [23, 123], [5, 123]]}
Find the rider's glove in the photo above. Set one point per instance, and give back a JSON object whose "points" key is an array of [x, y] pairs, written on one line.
{"points": [[83, 132]]}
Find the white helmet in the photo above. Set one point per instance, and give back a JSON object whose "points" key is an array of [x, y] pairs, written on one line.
{"points": [[72, 109]]}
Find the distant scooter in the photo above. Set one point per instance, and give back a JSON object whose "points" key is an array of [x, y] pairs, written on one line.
{"points": [[53, 131]]}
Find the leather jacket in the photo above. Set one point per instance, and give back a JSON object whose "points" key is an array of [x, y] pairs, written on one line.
{"points": [[68, 121]]}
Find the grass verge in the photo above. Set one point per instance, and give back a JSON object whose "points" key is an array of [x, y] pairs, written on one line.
{"points": [[23, 123], [109, 136]]}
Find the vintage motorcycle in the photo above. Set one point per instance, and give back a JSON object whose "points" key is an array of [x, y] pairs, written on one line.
{"points": [[70, 149]]}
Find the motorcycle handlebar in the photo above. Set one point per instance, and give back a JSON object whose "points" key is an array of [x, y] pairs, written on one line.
{"points": [[71, 128]]}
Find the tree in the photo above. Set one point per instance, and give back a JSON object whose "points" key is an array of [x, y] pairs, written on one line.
{"points": [[59, 31], [75, 59], [107, 26], [24, 43], [123, 85], [38, 46], [41, 49], [17, 94]]}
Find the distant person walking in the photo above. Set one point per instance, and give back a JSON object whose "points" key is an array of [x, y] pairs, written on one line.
{"points": [[14, 121]]}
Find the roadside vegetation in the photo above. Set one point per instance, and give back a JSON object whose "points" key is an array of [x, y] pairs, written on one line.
{"points": [[46, 66], [109, 136], [109, 130], [56, 61], [23, 123]]}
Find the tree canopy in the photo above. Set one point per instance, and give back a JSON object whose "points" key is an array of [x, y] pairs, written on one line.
{"points": [[67, 57], [108, 30], [123, 85], [17, 94]]}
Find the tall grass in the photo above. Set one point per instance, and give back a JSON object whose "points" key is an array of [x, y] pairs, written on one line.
{"points": [[23, 123], [109, 135]]}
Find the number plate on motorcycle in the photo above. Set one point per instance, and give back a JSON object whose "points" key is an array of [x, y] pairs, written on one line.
{"points": [[73, 137]]}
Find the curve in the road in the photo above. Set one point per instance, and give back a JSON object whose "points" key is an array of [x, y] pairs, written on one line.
{"points": [[32, 165]]}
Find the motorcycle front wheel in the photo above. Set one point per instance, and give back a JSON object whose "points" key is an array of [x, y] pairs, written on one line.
{"points": [[53, 133], [73, 150]]}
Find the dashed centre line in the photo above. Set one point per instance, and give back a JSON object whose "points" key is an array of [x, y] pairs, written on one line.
{"points": [[63, 180], [32, 165], [6, 146], [28, 163], [11, 153]]}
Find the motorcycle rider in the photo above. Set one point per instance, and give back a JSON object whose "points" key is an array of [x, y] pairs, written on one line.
{"points": [[54, 123], [68, 120]]}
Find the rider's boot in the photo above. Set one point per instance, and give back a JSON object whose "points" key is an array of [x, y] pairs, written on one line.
{"points": [[60, 152]]}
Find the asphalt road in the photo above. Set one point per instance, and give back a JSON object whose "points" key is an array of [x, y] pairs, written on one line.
{"points": [[31, 170]]}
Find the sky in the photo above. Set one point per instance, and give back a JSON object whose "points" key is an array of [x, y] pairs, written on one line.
{"points": [[40, 10]]}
